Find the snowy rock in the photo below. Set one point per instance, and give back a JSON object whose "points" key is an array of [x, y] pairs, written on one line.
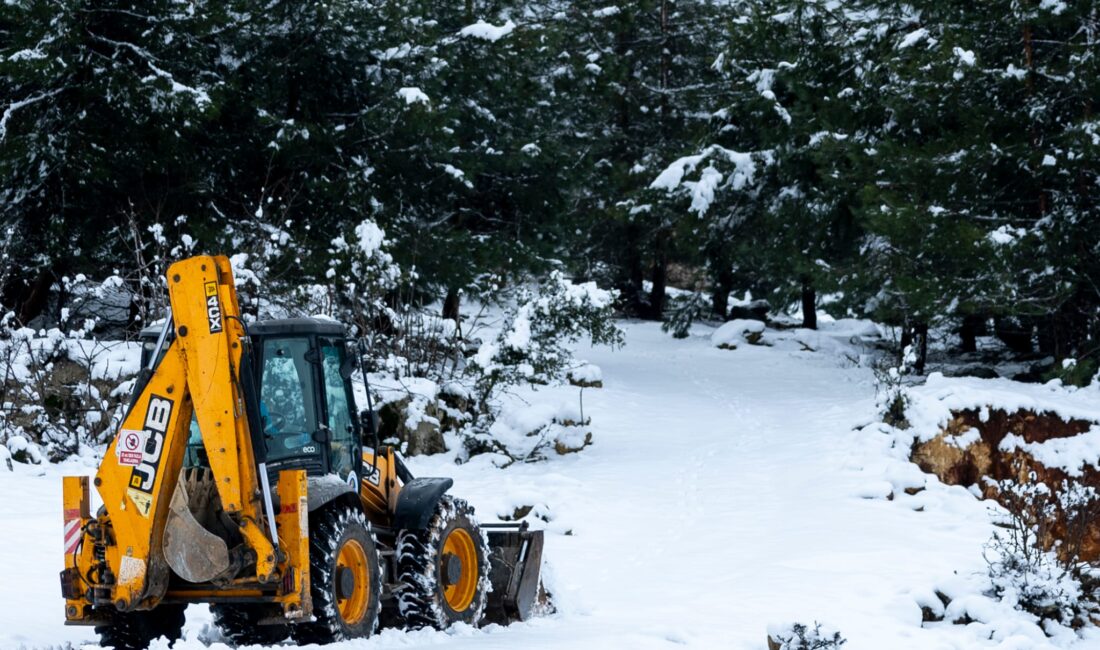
{"points": [[414, 422], [586, 376], [931, 603], [737, 331]]}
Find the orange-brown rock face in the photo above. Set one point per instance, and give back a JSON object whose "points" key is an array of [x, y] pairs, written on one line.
{"points": [[958, 457]]}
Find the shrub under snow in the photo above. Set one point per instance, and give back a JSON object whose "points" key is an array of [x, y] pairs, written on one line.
{"points": [[799, 636], [1031, 572]]}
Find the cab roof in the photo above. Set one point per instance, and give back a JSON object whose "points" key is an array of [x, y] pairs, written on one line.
{"points": [[272, 327]]}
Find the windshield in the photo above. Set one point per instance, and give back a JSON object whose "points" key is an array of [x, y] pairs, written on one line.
{"points": [[288, 405]]}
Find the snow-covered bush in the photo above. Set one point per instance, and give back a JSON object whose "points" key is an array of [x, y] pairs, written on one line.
{"points": [[271, 268], [531, 432], [361, 271], [59, 389], [891, 397], [1031, 571], [799, 636], [534, 345]]}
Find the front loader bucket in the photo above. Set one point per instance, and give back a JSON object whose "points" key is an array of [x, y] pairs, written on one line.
{"points": [[515, 558]]}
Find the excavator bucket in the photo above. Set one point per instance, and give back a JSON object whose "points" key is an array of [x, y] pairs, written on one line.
{"points": [[515, 558], [193, 552]]}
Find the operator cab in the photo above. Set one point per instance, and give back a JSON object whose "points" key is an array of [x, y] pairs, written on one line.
{"points": [[302, 373]]}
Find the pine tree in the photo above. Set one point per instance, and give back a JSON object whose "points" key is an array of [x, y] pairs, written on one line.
{"points": [[102, 102], [776, 204], [983, 200]]}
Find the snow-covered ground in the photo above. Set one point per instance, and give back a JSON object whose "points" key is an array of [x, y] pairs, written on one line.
{"points": [[725, 490]]}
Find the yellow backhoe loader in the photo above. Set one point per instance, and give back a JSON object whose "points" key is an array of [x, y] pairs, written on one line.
{"points": [[243, 475]]}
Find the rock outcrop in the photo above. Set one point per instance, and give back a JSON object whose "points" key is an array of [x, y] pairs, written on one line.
{"points": [[972, 448]]}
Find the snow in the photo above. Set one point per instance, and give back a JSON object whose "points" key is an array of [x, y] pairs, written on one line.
{"points": [[1069, 454], [931, 404], [966, 57], [912, 38], [413, 96], [487, 31], [721, 498], [1055, 7], [703, 190], [371, 237], [1006, 235]]}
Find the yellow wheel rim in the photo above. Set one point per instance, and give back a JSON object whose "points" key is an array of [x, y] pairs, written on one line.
{"points": [[352, 603], [460, 545]]}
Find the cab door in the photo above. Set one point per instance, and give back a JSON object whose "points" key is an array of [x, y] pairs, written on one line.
{"points": [[346, 454]]}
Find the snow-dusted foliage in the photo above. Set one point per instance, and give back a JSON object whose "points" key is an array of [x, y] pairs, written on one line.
{"points": [[741, 175], [1029, 571], [799, 636], [535, 344], [891, 396], [61, 391]]}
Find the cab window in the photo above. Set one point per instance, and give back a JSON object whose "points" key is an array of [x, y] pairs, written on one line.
{"points": [[288, 404], [344, 443]]}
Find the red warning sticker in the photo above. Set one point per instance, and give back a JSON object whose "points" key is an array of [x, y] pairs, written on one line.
{"points": [[130, 447]]}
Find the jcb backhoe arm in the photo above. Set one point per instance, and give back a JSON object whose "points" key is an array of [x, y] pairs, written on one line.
{"points": [[117, 559]]}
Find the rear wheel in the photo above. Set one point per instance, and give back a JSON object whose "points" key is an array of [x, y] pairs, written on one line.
{"points": [[239, 624], [345, 577], [135, 630], [443, 569]]}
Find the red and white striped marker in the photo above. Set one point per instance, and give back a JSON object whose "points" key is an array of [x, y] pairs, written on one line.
{"points": [[72, 534]]}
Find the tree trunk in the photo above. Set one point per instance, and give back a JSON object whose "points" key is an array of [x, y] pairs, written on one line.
{"points": [[659, 277], [809, 304], [920, 332], [1060, 333], [723, 284], [451, 309], [1016, 334], [632, 295], [33, 302], [972, 326], [451, 304]]}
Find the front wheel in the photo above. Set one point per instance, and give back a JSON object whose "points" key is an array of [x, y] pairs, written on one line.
{"points": [[443, 570], [345, 577]]}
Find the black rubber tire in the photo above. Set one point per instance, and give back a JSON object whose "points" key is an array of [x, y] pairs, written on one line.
{"points": [[420, 596], [239, 624], [330, 528], [135, 630]]}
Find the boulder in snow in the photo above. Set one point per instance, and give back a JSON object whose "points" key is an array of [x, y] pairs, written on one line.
{"points": [[737, 331], [586, 375]]}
